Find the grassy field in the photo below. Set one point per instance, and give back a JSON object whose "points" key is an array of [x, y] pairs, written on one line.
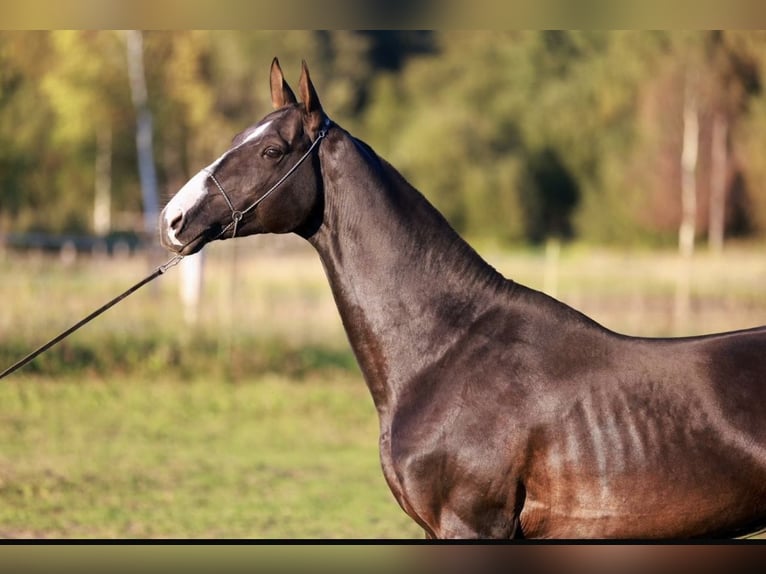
{"points": [[255, 422], [271, 458]]}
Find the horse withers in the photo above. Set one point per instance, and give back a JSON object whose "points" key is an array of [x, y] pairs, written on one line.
{"points": [[503, 412]]}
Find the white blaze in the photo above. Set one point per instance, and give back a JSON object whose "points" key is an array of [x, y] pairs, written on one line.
{"points": [[187, 197], [256, 132]]}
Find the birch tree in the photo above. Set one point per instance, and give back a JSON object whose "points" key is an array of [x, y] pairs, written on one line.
{"points": [[146, 168]]}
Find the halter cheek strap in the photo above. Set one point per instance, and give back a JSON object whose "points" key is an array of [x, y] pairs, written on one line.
{"points": [[238, 215]]}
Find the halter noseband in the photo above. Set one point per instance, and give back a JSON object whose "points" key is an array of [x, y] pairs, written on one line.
{"points": [[236, 214]]}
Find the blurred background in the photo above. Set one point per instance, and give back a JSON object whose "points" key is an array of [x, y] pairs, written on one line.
{"points": [[622, 172], [515, 136]]}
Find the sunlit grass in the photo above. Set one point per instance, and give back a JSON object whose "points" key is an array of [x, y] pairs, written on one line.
{"points": [[254, 422], [123, 458]]}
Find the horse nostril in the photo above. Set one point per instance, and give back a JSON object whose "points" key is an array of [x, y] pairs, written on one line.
{"points": [[177, 221]]}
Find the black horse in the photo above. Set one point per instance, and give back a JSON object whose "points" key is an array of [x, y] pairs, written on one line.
{"points": [[503, 412]]}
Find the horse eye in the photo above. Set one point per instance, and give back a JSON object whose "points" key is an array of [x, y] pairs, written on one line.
{"points": [[272, 152]]}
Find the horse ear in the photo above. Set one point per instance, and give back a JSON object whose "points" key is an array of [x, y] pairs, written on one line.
{"points": [[281, 94], [314, 111]]}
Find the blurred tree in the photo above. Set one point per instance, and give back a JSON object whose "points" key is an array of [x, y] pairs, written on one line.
{"points": [[134, 44], [515, 136], [747, 53], [25, 120], [85, 88], [188, 130], [724, 84], [60, 97], [447, 123], [497, 116]]}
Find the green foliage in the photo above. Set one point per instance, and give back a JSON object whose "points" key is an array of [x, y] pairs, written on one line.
{"points": [[536, 125], [516, 136]]}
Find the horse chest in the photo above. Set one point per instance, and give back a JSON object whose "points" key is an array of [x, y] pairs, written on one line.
{"points": [[452, 479]]}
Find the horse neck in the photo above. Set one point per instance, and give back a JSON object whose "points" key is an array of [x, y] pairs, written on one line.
{"points": [[403, 280]]}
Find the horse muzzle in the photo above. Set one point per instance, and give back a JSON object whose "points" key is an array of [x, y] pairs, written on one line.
{"points": [[177, 236]]}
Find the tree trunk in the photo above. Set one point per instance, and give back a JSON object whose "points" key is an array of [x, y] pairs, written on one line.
{"points": [[102, 202], [147, 174], [718, 173], [687, 229]]}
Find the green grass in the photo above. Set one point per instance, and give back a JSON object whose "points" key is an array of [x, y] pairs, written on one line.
{"points": [[271, 458], [255, 421]]}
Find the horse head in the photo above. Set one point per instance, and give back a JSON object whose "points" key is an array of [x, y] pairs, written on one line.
{"points": [[233, 195]]}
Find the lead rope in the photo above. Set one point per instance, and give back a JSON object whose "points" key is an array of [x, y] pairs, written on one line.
{"points": [[753, 535], [153, 275]]}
